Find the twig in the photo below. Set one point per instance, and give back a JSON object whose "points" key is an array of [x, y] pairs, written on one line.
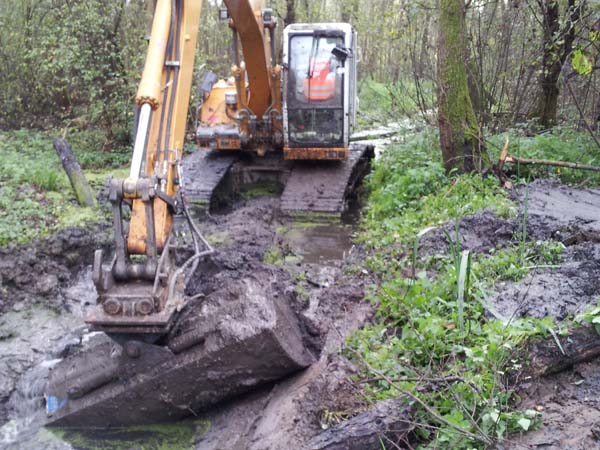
{"points": [[500, 166], [503, 155], [413, 380], [430, 410], [582, 115]]}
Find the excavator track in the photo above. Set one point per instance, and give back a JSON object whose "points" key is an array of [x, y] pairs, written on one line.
{"points": [[204, 172], [323, 187], [310, 188]]}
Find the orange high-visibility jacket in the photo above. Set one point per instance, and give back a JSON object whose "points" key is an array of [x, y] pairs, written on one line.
{"points": [[321, 86]]}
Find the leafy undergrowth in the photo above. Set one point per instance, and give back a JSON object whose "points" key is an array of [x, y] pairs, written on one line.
{"points": [[35, 194], [432, 341], [383, 103], [559, 144]]}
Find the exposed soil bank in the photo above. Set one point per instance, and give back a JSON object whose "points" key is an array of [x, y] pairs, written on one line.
{"points": [[568, 401], [38, 273], [327, 301]]}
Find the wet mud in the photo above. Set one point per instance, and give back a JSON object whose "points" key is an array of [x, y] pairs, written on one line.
{"points": [[309, 263], [40, 272], [570, 410], [327, 302]]}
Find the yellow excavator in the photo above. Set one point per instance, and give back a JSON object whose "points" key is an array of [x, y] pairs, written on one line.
{"points": [[293, 120]]}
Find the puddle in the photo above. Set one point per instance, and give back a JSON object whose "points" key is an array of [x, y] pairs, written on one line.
{"points": [[384, 135], [321, 244]]}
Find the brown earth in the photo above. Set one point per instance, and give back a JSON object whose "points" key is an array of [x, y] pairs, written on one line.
{"points": [[329, 303]]}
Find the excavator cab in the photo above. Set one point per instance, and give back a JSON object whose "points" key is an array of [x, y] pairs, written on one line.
{"points": [[319, 90]]}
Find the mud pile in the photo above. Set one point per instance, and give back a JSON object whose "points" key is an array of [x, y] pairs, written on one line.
{"points": [[39, 272], [327, 303]]}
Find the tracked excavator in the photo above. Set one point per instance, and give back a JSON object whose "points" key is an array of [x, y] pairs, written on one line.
{"points": [[171, 355]]}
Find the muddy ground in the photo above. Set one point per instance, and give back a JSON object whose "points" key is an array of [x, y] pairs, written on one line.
{"points": [[45, 287], [567, 401], [41, 325]]}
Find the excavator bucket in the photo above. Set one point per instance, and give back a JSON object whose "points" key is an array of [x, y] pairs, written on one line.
{"points": [[239, 336]]}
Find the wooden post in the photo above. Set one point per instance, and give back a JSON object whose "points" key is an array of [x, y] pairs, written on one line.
{"points": [[83, 191]]}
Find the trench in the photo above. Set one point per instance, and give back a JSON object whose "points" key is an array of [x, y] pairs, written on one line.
{"points": [[34, 339], [36, 333]]}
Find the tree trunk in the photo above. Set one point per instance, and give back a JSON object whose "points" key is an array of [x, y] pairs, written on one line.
{"points": [[462, 148], [557, 45], [388, 422], [290, 12], [350, 10], [546, 358], [83, 191]]}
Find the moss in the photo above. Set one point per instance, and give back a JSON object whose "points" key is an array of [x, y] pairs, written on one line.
{"points": [[171, 436], [314, 218], [458, 123], [261, 190], [274, 256], [219, 239]]}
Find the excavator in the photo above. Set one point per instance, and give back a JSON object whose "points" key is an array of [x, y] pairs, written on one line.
{"points": [[171, 354]]}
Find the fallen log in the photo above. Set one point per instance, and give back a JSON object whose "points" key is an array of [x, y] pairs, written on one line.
{"points": [[388, 421], [83, 191], [549, 162], [547, 357], [374, 135]]}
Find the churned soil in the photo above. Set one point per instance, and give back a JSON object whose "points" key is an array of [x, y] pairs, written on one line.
{"points": [[251, 238]]}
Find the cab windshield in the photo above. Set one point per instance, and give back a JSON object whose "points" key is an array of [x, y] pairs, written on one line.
{"points": [[315, 90]]}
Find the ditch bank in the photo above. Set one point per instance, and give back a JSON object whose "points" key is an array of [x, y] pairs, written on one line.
{"points": [[566, 401], [309, 262]]}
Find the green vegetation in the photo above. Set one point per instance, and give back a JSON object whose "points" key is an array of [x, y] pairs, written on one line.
{"points": [[433, 341], [261, 190], [410, 192], [35, 195], [170, 436], [382, 103], [71, 62], [591, 317]]}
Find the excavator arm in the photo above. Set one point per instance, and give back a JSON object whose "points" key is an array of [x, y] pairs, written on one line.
{"points": [[163, 99], [171, 355], [141, 288]]}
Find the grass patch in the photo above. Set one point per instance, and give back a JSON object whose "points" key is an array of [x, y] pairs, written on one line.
{"points": [[410, 192], [432, 339], [261, 190], [35, 194]]}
